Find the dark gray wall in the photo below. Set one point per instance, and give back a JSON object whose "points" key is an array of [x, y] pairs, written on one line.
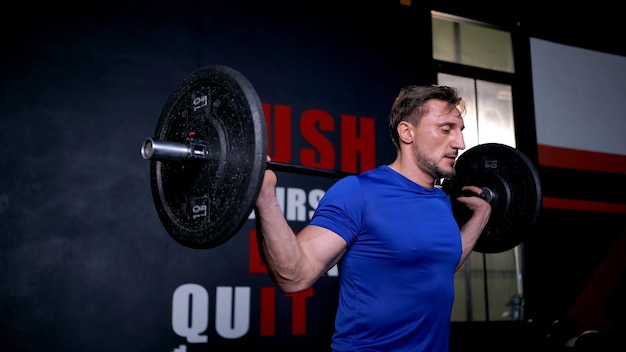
{"points": [[85, 263]]}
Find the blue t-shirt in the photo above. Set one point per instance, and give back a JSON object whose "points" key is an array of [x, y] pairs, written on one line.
{"points": [[397, 276]]}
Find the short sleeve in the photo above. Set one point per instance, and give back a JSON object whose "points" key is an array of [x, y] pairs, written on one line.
{"points": [[341, 209]]}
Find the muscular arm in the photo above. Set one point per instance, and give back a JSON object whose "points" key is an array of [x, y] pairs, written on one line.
{"points": [[472, 229], [294, 262]]}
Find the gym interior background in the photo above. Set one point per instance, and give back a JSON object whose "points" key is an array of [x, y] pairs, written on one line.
{"points": [[87, 265]]}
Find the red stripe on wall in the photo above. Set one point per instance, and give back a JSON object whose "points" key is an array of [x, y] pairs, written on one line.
{"points": [[586, 205], [581, 160]]}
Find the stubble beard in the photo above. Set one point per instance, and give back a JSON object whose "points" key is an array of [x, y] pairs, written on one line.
{"points": [[432, 167]]}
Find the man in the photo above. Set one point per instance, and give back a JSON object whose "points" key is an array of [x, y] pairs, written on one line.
{"points": [[390, 230]]}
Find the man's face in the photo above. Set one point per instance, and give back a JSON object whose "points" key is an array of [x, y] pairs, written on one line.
{"points": [[438, 138]]}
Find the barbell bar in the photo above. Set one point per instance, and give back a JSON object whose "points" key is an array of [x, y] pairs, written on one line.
{"points": [[172, 151]]}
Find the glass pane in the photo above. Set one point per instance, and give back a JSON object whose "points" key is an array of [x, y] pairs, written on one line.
{"points": [[471, 43], [468, 92], [502, 279], [504, 285], [495, 113]]}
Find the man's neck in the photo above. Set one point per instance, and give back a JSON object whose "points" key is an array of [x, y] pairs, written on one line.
{"points": [[413, 173]]}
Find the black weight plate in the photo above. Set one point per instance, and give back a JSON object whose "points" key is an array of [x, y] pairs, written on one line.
{"points": [[516, 189], [202, 203]]}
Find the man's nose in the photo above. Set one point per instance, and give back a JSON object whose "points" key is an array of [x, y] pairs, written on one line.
{"points": [[459, 142]]}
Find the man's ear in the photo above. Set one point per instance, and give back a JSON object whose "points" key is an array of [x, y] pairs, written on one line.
{"points": [[405, 131]]}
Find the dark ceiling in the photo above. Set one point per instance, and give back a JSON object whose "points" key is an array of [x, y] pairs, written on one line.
{"points": [[591, 25], [588, 28]]}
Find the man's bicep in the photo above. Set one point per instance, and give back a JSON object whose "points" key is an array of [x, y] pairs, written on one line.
{"points": [[323, 247]]}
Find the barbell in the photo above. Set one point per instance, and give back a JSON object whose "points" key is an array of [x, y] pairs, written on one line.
{"points": [[208, 158]]}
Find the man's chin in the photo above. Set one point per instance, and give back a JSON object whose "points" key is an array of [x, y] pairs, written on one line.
{"points": [[446, 174]]}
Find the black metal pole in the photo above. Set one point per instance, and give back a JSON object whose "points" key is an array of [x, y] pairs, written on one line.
{"points": [[304, 170], [153, 149]]}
